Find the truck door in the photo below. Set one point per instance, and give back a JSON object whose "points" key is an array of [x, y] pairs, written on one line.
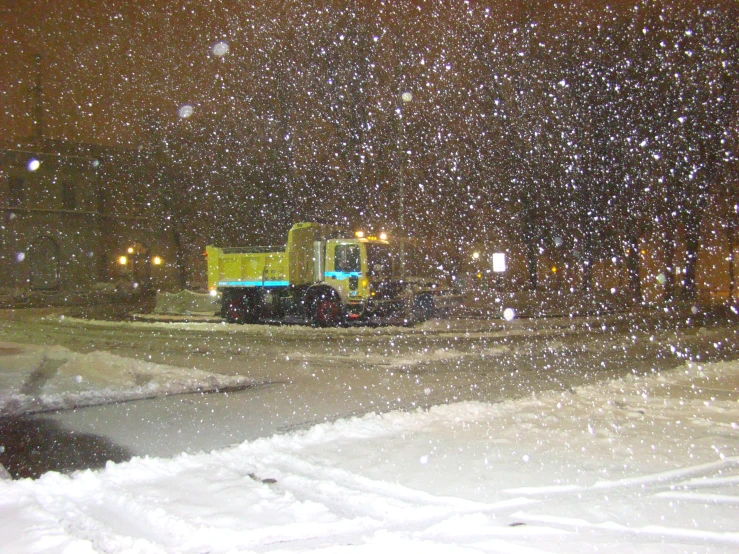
{"points": [[344, 269]]}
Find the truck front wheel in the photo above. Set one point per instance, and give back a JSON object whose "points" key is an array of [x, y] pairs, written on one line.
{"points": [[327, 311]]}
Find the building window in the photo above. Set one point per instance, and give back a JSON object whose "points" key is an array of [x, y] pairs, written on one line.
{"points": [[69, 199], [17, 191]]}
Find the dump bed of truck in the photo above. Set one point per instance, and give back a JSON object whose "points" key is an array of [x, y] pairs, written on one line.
{"points": [[231, 267], [299, 263]]}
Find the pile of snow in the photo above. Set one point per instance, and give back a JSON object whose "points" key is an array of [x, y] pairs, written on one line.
{"points": [[42, 378], [633, 465], [187, 302]]}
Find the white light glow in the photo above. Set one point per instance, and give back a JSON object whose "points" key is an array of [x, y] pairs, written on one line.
{"points": [[499, 264], [220, 49], [185, 111]]}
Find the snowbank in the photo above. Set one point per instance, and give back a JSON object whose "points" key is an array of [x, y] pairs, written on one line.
{"points": [[42, 378], [187, 302]]}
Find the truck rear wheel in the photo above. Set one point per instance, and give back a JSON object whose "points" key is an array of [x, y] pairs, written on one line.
{"points": [[239, 308]]}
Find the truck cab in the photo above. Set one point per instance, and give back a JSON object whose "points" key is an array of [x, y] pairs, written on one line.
{"points": [[361, 271]]}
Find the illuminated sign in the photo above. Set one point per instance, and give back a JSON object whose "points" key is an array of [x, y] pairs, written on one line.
{"points": [[499, 265]]}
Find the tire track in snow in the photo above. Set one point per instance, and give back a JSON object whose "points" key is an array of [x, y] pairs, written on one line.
{"points": [[379, 505], [662, 477]]}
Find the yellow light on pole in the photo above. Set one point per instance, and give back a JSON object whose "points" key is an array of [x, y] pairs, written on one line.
{"points": [[123, 260], [156, 260]]}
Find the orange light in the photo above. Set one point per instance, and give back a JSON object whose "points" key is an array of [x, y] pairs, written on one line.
{"points": [[123, 260], [359, 234]]}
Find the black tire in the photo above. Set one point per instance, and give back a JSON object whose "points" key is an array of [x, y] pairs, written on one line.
{"points": [[240, 308], [327, 310], [423, 307]]}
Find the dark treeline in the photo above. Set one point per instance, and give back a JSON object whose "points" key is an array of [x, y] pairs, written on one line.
{"points": [[587, 124]]}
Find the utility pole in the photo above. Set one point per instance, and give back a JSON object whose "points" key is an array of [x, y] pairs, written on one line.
{"points": [[405, 98]]}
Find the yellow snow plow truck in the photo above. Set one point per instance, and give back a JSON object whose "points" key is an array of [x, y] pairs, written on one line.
{"points": [[322, 277]]}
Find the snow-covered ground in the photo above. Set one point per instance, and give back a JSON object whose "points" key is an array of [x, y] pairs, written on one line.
{"points": [[641, 464]]}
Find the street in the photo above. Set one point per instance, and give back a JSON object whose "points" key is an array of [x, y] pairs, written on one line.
{"points": [[302, 376]]}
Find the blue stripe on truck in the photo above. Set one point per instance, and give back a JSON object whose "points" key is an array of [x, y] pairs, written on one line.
{"points": [[253, 283], [343, 274]]}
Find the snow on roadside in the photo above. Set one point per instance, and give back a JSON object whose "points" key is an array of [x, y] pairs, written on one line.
{"points": [[641, 464], [40, 378]]}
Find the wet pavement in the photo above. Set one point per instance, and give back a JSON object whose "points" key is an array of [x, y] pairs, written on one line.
{"points": [[33, 445]]}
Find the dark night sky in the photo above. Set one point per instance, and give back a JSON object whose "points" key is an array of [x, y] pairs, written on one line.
{"points": [[104, 64], [107, 64]]}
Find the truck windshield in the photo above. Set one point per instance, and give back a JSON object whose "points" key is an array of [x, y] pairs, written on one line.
{"points": [[381, 260], [347, 258]]}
